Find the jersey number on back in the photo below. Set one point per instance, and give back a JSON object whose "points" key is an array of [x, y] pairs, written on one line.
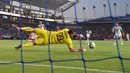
{"points": [[60, 36]]}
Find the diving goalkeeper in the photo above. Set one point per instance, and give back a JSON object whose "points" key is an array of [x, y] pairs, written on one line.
{"points": [[61, 37]]}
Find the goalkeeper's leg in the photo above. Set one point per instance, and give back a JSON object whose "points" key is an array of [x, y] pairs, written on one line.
{"points": [[38, 41], [30, 44], [25, 29], [29, 29]]}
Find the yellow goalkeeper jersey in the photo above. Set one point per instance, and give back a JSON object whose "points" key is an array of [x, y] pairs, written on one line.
{"points": [[60, 37]]}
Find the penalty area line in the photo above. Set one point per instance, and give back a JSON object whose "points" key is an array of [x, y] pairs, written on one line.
{"points": [[67, 67]]}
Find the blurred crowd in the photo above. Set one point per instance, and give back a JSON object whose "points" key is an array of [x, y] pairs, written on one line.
{"points": [[100, 33]]}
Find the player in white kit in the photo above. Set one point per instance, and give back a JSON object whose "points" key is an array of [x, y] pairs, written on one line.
{"points": [[127, 37], [41, 25], [118, 32], [88, 32]]}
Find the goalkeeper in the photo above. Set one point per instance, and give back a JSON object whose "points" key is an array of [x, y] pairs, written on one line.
{"points": [[60, 37]]}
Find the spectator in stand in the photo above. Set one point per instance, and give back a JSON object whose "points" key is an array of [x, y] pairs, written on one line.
{"points": [[0, 35]]}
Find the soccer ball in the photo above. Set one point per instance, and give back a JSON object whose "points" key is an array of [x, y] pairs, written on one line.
{"points": [[91, 45]]}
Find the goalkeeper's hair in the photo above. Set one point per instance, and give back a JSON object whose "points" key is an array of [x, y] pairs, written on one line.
{"points": [[70, 32]]}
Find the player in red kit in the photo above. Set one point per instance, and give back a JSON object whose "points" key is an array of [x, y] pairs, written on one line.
{"points": [[57, 28]]}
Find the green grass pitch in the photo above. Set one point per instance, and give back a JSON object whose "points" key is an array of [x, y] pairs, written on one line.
{"points": [[103, 49]]}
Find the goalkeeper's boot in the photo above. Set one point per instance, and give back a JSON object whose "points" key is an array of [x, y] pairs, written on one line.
{"points": [[17, 47]]}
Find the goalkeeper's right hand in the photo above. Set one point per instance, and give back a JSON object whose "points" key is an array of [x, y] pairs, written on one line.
{"points": [[82, 50], [77, 50]]}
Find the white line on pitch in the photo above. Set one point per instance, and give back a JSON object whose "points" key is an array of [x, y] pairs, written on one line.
{"points": [[68, 67], [97, 70]]}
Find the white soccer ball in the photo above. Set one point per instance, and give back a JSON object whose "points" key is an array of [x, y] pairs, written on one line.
{"points": [[91, 45]]}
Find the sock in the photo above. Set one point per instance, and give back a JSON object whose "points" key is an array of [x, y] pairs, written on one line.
{"points": [[88, 40], [121, 40], [114, 42]]}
